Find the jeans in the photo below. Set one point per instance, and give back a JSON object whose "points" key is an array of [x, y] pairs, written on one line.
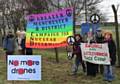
{"points": [[76, 65], [109, 73]]}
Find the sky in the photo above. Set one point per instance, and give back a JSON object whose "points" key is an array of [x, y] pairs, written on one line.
{"points": [[106, 8]]}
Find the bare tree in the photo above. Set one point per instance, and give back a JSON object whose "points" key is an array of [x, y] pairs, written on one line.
{"points": [[115, 10], [79, 5]]}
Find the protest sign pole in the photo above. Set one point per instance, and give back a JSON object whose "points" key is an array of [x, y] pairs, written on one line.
{"points": [[74, 20], [56, 50], [13, 82], [85, 3]]}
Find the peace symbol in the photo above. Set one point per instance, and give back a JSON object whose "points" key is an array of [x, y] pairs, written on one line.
{"points": [[95, 18]]}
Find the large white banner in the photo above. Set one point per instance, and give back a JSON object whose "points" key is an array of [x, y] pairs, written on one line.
{"points": [[23, 67], [95, 53]]}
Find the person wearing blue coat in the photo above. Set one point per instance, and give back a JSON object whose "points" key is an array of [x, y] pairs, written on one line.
{"points": [[9, 44]]}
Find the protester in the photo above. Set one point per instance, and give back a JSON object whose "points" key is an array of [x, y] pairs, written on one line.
{"points": [[29, 51], [9, 44], [99, 39], [77, 52], [109, 74], [21, 42], [91, 68], [18, 41], [23, 45]]}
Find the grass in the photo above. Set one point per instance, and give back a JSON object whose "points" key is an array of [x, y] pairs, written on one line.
{"points": [[56, 73]]}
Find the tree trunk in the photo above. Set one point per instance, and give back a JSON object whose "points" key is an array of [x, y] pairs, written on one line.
{"points": [[117, 33]]}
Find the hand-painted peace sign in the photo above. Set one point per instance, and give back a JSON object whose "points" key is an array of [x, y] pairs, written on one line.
{"points": [[95, 18], [69, 12], [70, 40]]}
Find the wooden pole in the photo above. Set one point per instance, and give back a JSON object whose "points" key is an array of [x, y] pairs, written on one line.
{"points": [[74, 32], [117, 33], [85, 3], [56, 54], [56, 50], [13, 82]]}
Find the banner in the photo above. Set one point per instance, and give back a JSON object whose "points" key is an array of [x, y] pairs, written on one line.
{"points": [[95, 53], [49, 30], [23, 67]]}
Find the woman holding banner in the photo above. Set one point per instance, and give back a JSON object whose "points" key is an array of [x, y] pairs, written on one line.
{"points": [[109, 69], [91, 68], [99, 38], [77, 52]]}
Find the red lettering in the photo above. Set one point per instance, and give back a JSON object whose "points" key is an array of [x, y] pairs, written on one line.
{"points": [[16, 63], [21, 71], [30, 62]]}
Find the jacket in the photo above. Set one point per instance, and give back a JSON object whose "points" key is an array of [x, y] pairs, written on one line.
{"points": [[9, 43], [112, 51]]}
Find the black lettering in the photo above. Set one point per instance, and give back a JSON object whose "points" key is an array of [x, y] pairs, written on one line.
{"points": [[34, 71], [38, 18], [61, 15], [31, 33], [10, 62], [14, 70], [66, 19], [41, 18], [53, 16], [56, 15], [45, 17], [49, 17], [23, 63], [34, 23], [37, 29], [31, 43], [30, 70]]}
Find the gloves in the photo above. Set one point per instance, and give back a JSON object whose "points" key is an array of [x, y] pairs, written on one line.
{"points": [[70, 55]]}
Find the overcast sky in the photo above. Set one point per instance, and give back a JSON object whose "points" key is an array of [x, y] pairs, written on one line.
{"points": [[105, 7]]}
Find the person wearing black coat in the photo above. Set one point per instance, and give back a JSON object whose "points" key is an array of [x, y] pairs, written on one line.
{"points": [[91, 67], [109, 69], [99, 39]]}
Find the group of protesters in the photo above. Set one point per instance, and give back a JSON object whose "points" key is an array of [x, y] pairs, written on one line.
{"points": [[12, 43], [92, 69]]}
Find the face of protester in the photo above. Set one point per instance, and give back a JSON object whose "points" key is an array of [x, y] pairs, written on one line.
{"points": [[107, 36], [90, 35], [10, 35], [99, 34], [77, 38]]}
